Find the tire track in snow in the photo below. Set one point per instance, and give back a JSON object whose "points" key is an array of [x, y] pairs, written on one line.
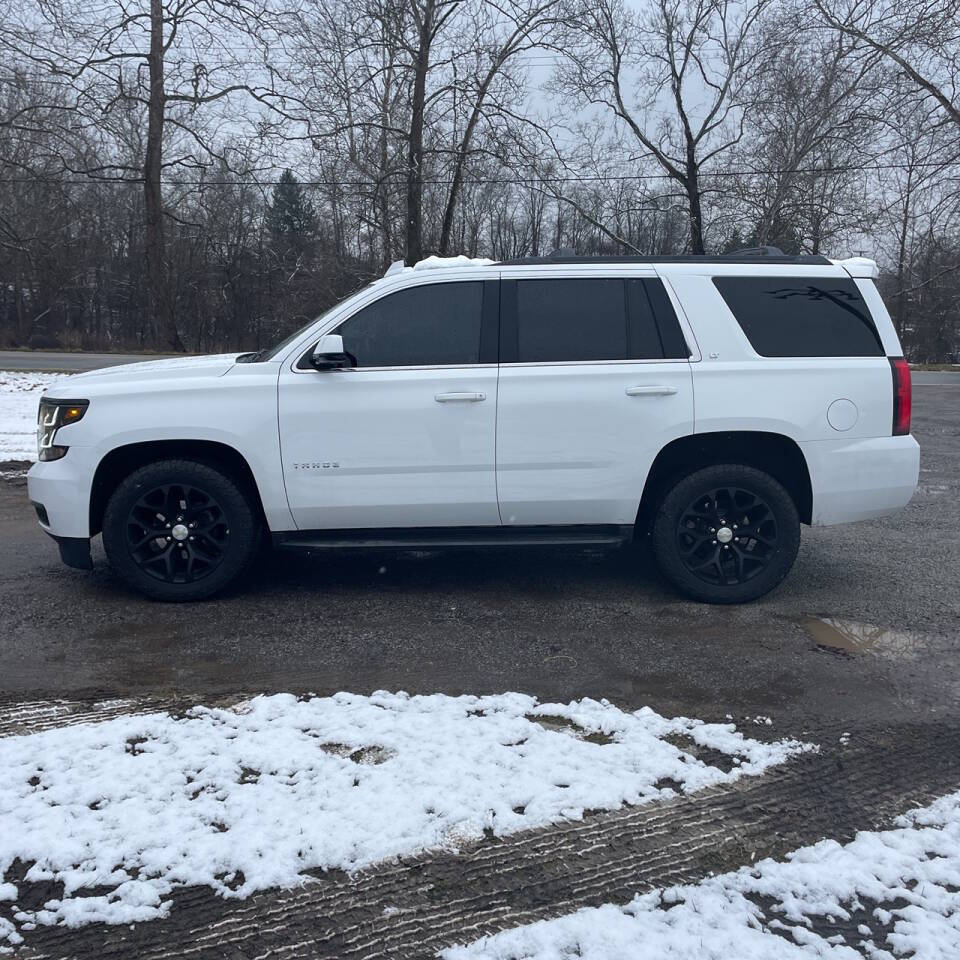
{"points": [[434, 901], [34, 716]]}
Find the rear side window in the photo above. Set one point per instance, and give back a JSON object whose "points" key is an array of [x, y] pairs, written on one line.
{"points": [[588, 319], [571, 320], [434, 325], [802, 316]]}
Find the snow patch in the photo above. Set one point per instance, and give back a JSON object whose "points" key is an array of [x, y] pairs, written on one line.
{"points": [[19, 396], [251, 797], [437, 263], [895, 893], [444, 263]]}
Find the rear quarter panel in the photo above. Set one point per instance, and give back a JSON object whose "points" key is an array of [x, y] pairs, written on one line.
{"points": [[857, 471], [737, 389]]}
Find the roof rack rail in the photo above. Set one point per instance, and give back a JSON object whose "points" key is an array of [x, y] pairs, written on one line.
{"points": [[756, 252], [771, 256]]}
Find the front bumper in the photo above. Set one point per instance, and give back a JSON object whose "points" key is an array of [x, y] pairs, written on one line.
{"points": [[62, 488]]}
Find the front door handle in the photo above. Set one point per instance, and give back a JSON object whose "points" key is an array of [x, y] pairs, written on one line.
{"points": [[460, 397], [658, 390]]}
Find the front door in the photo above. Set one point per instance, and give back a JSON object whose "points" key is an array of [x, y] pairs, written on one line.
{"points": [[406, 437]]}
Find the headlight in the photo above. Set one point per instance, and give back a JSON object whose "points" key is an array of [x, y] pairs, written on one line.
{"points": [[53, 415]]}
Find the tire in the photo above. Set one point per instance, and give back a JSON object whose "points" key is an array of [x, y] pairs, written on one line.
{"points": [[727, 533], [207, 531]]}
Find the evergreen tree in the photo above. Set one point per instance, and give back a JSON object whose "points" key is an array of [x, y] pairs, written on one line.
{"points": [[291, 217]]}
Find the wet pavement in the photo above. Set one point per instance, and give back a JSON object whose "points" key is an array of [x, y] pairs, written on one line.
{"points": [[857, 651]]}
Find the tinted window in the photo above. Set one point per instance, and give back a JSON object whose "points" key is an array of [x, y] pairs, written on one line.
{"points": [[671, 336], [435, 325], [571, 320], [802, 316], [643, 338], [654, 330], [592, 319]]}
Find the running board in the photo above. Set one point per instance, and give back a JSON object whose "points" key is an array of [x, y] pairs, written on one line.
{"points": [[428, 538]]}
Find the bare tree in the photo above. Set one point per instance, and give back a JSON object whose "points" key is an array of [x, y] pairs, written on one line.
{"points": [[503, 32], [404, 89], [816, 126], [676, 75], [920, 37], [172, 59]]}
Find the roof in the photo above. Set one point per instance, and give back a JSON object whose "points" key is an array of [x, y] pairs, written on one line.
{"points": [[804, 259], [754, 256]]}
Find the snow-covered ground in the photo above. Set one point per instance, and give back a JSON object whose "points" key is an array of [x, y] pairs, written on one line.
{"points": [[249, 798], [19, 396], [898, 892]]}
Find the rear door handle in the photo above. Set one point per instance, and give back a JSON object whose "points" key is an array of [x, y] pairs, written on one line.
{"points": [[460, 397], [657, 390]]}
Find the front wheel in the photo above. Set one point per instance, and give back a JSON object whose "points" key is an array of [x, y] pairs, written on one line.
{"points": [[726, 534], [180, 530]]}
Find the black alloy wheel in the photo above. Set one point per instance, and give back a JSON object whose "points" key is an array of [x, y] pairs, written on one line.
{"points": [[726, 533], [177, 533], [181, 529], [727, 536]]}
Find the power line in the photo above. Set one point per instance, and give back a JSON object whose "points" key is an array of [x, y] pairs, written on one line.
{"points": [[92, 180]]}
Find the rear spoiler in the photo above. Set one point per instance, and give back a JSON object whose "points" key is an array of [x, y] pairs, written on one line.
{"points": [[859, 267]]}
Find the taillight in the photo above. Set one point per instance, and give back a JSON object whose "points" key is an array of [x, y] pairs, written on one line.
{"points": [[902, 398]]}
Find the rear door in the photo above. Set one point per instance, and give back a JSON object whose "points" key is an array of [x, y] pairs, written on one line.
{"points": [[594, 380]]}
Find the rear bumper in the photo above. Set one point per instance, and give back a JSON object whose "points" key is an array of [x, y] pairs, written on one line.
{"points": [[861, 479]]}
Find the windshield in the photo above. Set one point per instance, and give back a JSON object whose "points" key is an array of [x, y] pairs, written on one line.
{"points": [[270, 353]]}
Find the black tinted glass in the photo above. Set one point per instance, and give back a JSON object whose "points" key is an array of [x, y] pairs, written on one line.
{"points": [[802, 316], [435, 325], [575, 319], [674, 345]]}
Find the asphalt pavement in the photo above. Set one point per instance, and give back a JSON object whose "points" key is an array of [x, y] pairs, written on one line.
{"points": [[65, 362]]}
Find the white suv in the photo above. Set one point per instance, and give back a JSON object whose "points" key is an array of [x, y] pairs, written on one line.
{"points": [[712, 403]]}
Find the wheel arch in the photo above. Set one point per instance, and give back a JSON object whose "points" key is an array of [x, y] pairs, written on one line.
{"points": [[774, 453], [122, 461]]}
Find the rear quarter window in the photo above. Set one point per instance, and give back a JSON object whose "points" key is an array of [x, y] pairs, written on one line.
{"points": [[802, 316]]}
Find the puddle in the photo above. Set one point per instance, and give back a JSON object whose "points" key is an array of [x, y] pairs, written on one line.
{"points": [[853, 638], [565, 725]]}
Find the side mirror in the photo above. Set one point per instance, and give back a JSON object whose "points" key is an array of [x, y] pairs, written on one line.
{"points": [[328, 354]]}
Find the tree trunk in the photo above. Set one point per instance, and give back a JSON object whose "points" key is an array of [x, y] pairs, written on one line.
{"points": [[696, 216], [455, 186], [415, 146], [900, 318], [158, 290], [383, 189]]}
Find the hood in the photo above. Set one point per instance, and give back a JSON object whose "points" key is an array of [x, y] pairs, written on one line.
{"points": [[176, 368]]}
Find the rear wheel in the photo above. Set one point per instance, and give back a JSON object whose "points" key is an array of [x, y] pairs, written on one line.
{"points": [[726, 534], [180, 530]]}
